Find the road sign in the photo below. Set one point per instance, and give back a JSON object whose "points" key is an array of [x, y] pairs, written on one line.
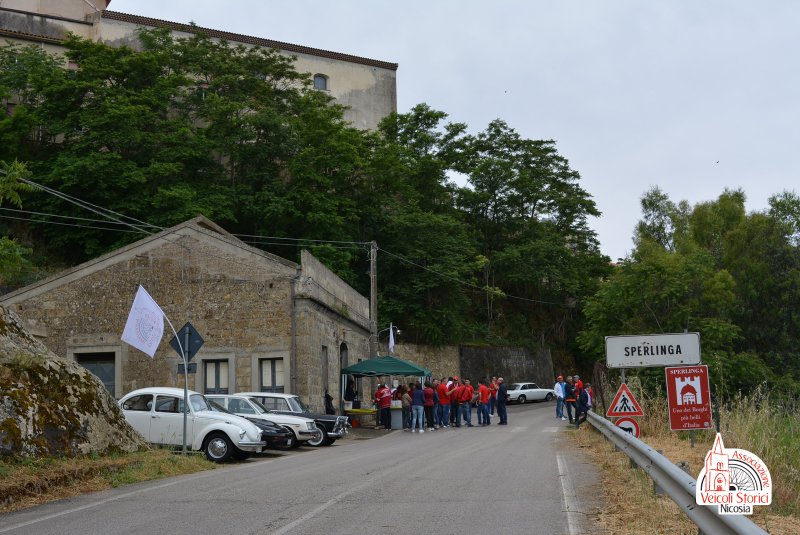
{"points": [[629, 425], [642, 351], [192, 368], [689, 398], [624, 404], [188, 334]]}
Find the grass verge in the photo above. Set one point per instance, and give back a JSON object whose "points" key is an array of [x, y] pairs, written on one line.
{"points": [[28, 482], [748, 422]]}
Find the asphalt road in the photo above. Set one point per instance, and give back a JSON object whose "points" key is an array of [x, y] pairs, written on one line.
{"points": [[525, 477]]}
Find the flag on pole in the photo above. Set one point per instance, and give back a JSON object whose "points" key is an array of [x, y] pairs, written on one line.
{"points": [[145, 325], [391, 339]]}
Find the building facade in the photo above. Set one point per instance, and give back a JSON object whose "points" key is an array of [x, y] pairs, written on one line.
{"points": [[367, 86], [268, 324]]}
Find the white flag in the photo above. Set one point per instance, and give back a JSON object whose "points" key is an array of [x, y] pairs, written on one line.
{"points": [[145, 325], [391, 339]]}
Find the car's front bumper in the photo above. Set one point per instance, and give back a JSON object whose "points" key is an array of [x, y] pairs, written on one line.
{"points": [[252, 445]]}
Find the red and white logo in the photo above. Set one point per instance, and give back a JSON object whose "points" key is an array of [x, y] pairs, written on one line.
{"points": [[734, 479]]}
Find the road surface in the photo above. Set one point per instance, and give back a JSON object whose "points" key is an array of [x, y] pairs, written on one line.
{"points": [[525, 477]]}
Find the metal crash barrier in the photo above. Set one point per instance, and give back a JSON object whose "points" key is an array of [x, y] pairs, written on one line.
{"points": [[676, 483]]}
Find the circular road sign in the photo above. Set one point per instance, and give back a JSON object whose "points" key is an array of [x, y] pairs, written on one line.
{"points": [[629, 425]]}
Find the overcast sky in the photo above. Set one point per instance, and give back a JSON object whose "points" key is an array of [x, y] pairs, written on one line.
{"points": [[691, 96]]}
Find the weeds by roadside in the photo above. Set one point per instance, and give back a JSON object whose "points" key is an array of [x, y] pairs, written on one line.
{"points": [[753, 422], [28, 482]]}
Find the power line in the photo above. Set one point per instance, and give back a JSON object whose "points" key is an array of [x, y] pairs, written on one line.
{"points": [[468, 284], [64, 224]]}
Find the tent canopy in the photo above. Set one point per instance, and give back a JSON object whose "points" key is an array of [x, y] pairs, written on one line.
{"points": [[386, 365]]}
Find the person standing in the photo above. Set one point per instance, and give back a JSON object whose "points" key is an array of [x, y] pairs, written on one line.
{"points": [[467, 395], [437, 423], [582, 407], [405, 401], [558, 388], [428, 394], [483, 402], [492, 395], [569, 398], [384, 398], [502, 399], [417, 409], [444, 404], [454, 410]]}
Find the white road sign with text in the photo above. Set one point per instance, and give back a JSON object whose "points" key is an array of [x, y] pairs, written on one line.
{"points": [[642, 351]]}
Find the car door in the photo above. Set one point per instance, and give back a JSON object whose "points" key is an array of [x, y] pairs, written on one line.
{"points": [[166, 425], [138, 411], [536, 392]]}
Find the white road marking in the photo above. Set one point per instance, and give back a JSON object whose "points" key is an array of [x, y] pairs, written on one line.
{"points": [[551, 429], [569, 496]]}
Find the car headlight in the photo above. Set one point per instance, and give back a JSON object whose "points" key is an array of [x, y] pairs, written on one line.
{"points": [[311, 426], [242, 433]]}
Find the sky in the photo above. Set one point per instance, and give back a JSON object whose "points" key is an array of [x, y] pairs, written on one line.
{"points": [[690, 96]]}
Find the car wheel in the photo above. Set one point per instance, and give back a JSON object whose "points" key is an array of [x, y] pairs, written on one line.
{"points": [[330, 442], [218, 447], [320, 439], [549, 397], [292, 441], [521, 400]]}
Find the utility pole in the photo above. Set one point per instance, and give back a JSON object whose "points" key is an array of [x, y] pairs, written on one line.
{"points": [[373, 299]]}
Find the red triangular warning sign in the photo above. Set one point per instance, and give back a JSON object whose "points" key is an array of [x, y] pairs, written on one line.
{"points": [[624, 404]]}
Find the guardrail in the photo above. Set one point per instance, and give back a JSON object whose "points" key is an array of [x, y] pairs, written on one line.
{"points": [[679, 485]]}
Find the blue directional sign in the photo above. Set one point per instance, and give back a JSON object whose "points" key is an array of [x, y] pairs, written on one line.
{"points": [[190, 340]]}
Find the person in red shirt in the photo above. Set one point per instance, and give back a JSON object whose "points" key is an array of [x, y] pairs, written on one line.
{"points": [[444, 404], [428, 393], [465, 395], [492, 395], [483, 402], [384, 399]]}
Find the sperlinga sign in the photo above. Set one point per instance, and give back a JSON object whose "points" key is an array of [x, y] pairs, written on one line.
{"points": [[733, 479]]}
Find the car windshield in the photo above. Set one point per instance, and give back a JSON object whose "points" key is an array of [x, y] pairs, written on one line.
{"points": [[199, 402], [216, 407], [297, 405], [259, 408]]}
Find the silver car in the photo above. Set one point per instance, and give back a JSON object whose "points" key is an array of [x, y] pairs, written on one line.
{"points": [[524, 392]]}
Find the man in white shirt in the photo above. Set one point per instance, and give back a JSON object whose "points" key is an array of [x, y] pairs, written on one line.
{"points": [[558, 388]]}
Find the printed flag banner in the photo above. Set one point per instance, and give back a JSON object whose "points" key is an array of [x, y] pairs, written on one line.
{"points": [[145, 325], [391, 339]]}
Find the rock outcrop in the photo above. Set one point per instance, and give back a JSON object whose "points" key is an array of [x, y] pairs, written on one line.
{"points": [[53, 406]]}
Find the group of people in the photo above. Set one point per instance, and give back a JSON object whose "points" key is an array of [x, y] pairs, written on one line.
{"points": [[444, 403], [573, 395]]}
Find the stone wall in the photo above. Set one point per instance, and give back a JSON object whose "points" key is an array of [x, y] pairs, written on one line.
{"points": [[514, 364]]}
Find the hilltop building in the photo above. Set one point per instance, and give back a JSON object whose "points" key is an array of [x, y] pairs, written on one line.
{"points": [[367, 86]]}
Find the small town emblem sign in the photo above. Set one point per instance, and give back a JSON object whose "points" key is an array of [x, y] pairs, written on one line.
{"points": [[733, 479]]}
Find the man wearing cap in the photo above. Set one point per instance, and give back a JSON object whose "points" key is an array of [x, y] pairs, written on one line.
{"points": [[558, 388], [502, 399]]}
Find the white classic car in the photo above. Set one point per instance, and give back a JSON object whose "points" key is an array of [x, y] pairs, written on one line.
{"points": [[524, 392], [157, 413], [303, 429]]}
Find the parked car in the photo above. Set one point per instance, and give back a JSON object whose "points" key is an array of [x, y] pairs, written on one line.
{"points": [[157, 413], [524, 392], [275, 435], [302, 429], [332, 427]]}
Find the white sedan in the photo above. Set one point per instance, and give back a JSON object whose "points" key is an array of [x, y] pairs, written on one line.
{"points": [[157, 413], [524, 392]]}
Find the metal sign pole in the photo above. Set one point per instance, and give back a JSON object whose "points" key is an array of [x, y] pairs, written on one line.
{"points": [[185, 382]]}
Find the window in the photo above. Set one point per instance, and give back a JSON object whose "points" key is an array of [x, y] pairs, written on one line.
{"points": [[215, 373], [239, 406], [321, 82], [143, 403], [168, 404], [102, 365], [271, 375]]}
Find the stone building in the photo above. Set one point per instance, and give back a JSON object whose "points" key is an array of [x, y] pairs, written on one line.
{"points": [[268, 323], [367, 86]]}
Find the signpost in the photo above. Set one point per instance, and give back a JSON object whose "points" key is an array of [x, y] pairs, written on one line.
{"points": [[192, 342], [642, 351], [629, 425], [689, 398], [624, 404]]}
